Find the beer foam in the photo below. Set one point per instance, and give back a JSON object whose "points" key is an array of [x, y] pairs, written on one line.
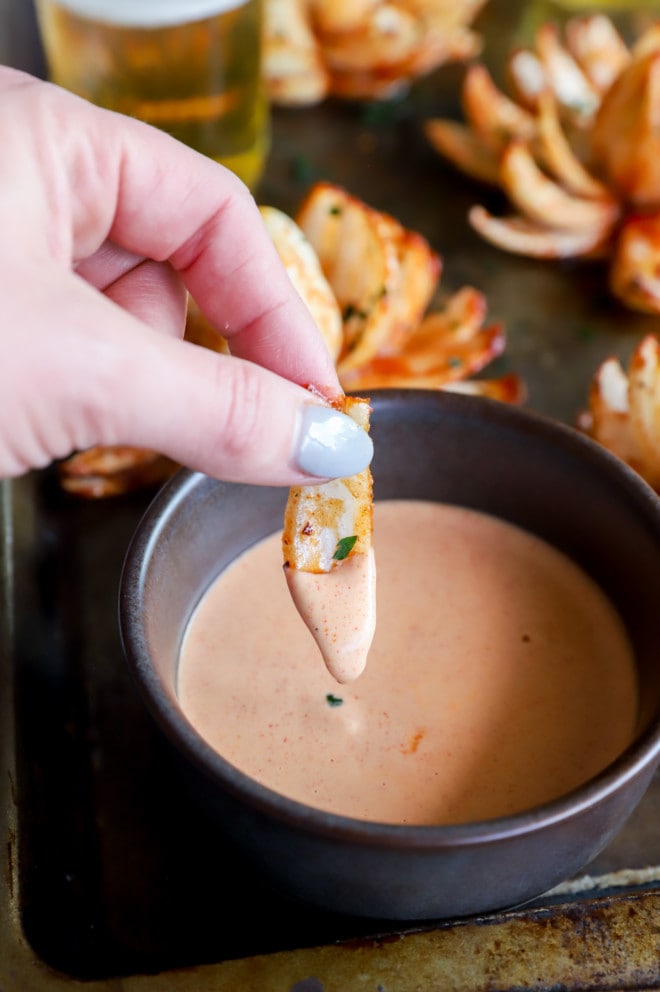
{"points": [[149, 13]]}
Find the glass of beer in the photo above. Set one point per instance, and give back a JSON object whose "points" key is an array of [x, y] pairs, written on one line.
{"points": [[189, 67]]}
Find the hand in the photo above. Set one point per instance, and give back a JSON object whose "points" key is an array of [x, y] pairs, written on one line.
{"points": [[105, 225]]}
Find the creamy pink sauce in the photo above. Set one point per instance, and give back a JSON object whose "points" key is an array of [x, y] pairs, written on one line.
{"points": [[339, 610], [499, 677]]}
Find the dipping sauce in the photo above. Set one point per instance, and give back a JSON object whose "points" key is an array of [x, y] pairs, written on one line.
{"points": [[500, 676], [339, 608]]}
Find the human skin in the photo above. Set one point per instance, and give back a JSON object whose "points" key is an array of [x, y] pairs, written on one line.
{"points": [[105, 225]]}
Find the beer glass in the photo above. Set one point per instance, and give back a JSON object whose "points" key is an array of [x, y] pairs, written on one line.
{"points": [[189, 67]]}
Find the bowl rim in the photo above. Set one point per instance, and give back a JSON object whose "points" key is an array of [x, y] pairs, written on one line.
{"points": [[641, 756]]}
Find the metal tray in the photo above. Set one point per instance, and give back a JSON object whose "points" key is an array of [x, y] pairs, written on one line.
{"points": [[110, 880]]}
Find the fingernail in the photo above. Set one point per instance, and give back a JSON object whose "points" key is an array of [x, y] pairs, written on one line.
{"points": [[330, 444]]}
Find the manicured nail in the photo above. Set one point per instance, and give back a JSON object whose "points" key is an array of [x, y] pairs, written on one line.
{"points": [[330, 444]]}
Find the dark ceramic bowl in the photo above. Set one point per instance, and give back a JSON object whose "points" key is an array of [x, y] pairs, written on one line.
{"points": [[436, 446]]}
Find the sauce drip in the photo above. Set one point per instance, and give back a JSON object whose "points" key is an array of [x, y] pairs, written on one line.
{"points": [[499, 677], [339, 608]]}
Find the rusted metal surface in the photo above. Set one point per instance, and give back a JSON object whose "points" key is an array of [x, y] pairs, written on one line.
{"points": [[610, 944], [108, 881]]}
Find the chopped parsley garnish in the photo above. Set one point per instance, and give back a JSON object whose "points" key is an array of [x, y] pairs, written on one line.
{"points": [[586, 333], [344, 547], [381, 113], [350, 311], [302, 169], [333, 700], [454, 362]]}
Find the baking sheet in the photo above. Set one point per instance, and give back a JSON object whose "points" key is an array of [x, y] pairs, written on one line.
{"points": [[111, 880]]}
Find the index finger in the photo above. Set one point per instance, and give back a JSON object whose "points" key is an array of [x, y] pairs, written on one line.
{"points": [[158, 198]]}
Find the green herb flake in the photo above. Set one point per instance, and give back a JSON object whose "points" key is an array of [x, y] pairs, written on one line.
{"points": [[302, 169], [454, 362], [333, 700], [335, 210], [381, 113], [586, 333], [350, 311], [344, 547]]}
